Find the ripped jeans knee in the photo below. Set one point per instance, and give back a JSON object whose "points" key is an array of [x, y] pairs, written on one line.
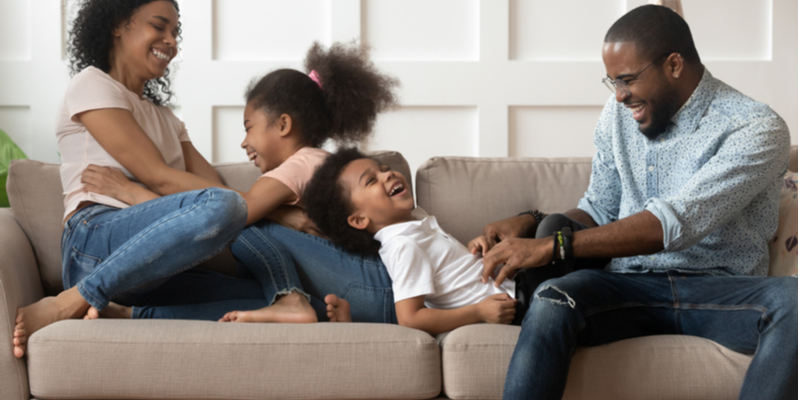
{"points": [[555, 295]]}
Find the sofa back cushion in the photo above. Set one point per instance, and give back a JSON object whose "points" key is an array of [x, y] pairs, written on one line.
{"points": [[35, 193], [467, 193]]}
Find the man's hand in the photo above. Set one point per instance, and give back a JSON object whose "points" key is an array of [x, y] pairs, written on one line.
{"points": [[480, 244], [513, 227], [294, 218], [516, 253], [497, 309]]}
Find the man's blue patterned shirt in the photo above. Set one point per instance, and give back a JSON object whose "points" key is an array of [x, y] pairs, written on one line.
{"points": [[712, 178]]}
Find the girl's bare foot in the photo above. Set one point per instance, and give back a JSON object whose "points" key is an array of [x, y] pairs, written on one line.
{"points": [[67, 305], [112, 310], [291, 308], [338, 309]]}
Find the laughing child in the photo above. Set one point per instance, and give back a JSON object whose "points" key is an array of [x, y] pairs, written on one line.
{"points": [[367, 208]]}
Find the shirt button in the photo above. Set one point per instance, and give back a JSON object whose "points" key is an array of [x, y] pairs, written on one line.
{"points": [[652, 257], [651, 168], [662, 140]]}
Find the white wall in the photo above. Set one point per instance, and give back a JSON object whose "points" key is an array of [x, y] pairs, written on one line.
{"points": [[480, 77]]}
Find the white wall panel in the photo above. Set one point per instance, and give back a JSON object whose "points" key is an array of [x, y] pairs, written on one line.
{"points": [[15, 30], [269, 29], [16, 122], [420, 133], [228, 134], [727, 30], [563, 30], [492, 77], [416, 30], [552, 131]]}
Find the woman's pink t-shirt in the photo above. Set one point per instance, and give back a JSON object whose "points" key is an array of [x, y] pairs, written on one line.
{"points": [[93, 89], [297, 170]]}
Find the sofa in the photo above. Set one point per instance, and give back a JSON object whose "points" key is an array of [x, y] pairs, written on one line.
{"points": [[173, 359]]}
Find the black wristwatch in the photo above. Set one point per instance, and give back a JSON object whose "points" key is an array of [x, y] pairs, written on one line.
{"points": [[536, 214]]}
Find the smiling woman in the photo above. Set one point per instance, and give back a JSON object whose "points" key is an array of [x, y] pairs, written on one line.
{"points": [[91, 45], [114, 115]]}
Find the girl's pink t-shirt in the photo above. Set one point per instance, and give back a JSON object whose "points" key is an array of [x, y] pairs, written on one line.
{"points": [[93, 89], [297, 170]]}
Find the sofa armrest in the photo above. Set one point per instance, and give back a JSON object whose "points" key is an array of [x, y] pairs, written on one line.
{"points": [[20, 285]]}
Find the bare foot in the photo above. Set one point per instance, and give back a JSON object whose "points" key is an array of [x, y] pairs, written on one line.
{"points": [[291, 308], [67, 305], [112, 310], [338, 309]]}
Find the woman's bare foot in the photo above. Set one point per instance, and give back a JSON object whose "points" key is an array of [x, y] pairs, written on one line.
{"points": [[112, 310], [338, 309], [67, 305], [291, 308]]}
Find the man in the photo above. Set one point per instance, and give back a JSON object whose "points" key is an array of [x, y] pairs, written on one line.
{"points": [[684, 197]]}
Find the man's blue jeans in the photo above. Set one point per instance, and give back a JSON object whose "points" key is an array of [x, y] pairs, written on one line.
{"points": [[282, 260], [128, 255], [751, 315]]}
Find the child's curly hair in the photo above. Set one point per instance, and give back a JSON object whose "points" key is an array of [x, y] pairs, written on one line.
{"points": [[91, 40], [353, 92], [328, 204]]}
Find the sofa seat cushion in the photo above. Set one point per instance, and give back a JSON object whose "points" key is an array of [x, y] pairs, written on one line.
{"points": [[475, 360], [159, 359]]}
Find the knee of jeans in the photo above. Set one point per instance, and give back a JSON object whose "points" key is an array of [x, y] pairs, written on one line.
{"points": [[550, 224], [549, 292], [227, 212]]}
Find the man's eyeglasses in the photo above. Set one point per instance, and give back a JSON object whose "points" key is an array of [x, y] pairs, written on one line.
{"points": [[618, 84]]}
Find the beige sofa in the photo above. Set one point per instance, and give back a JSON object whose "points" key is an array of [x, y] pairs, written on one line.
{"points": [[157, 359]]}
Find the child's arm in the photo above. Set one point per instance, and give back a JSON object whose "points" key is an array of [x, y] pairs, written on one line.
{"points": [[264, 196], [495, 309]]}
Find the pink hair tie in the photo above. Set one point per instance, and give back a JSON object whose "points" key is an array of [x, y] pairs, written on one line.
{"points": [[315, 77]]}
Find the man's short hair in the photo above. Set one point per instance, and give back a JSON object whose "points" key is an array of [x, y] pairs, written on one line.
{"points": [[656, 31]]}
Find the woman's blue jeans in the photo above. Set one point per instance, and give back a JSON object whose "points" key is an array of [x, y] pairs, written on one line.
{"points": [[143, 255], [751, 315], [282, 260]]}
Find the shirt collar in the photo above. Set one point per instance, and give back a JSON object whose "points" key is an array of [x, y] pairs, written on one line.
{"points": [[392, 231], [688, 116]]}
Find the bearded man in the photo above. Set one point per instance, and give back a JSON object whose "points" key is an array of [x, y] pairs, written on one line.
{"points": [[683, 199]]}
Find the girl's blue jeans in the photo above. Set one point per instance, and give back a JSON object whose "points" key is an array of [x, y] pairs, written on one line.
{"points": [[283, 260], [143, 255]]}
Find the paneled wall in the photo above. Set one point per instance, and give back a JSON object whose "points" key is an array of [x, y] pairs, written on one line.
{"points": [[480, 77]]}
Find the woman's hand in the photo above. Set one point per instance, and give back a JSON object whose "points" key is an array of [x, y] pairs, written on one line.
{"points": [[294, 218], [112, 182]]}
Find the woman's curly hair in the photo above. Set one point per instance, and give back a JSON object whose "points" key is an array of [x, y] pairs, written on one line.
{"points": [[353, 92], [328, 204], [91, 40]]}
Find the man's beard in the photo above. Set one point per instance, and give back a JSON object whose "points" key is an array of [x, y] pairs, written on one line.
{"points": [[663, 106]]}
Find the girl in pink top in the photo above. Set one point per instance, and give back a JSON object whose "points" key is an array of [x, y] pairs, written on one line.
{"points": [[115, 123]]}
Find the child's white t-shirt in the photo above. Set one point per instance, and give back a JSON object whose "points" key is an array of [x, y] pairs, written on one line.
{"points": [[93, 89], [423, 260]]}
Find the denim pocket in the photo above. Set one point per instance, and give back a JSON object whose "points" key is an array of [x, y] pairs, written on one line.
{"points": [[370, 304], [79, 266]]}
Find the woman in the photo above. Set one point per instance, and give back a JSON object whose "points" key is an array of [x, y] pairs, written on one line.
{"points": [[114, 115]]}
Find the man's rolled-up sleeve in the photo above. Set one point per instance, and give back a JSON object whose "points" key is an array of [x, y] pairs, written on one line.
{"points": [[752, 157]]}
